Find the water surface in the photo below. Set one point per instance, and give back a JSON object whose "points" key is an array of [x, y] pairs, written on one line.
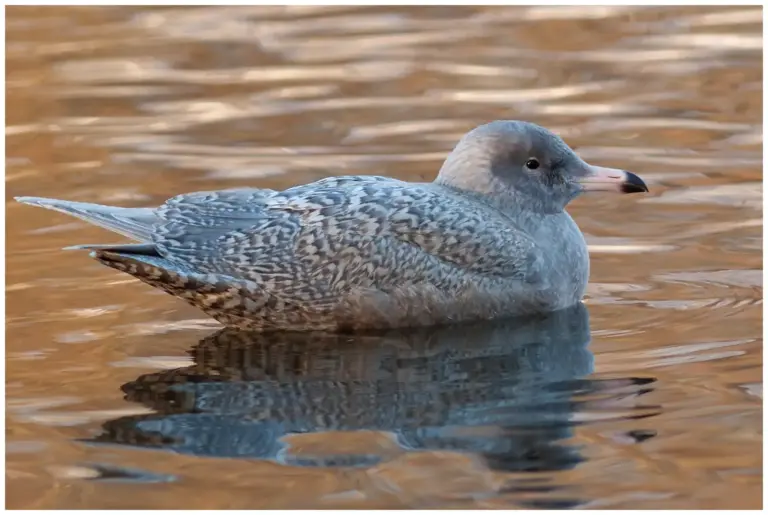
{"points": [[119, 396]]}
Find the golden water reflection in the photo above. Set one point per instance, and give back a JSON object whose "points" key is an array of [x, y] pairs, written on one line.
{"points": [[131, 105]]}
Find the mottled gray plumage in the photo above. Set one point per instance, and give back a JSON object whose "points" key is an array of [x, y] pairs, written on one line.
{"points": [[488, 238]]}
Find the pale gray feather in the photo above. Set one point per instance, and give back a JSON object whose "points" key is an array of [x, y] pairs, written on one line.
{"points": [[134, 222]]}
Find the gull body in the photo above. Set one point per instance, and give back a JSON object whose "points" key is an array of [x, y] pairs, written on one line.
{"points": [[489, 238]]}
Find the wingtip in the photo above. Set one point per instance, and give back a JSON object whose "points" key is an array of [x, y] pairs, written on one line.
{"points": [[34, 201]]}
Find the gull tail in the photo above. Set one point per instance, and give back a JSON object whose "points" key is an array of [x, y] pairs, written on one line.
{"points": [[134, 222]]}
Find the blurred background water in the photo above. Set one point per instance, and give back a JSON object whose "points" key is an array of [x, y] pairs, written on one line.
{"points": [[119, 396]]}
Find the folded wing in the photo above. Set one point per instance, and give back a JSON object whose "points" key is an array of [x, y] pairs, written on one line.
{"points": [[340, 234]]}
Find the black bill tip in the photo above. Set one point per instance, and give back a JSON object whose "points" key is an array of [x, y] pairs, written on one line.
{"points": [[633, 184]]}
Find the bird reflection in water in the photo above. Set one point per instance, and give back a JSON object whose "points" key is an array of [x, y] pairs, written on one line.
{"points": [[510, 391]]}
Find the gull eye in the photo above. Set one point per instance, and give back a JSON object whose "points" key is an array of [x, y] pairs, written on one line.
{"points": [[532, 164]]}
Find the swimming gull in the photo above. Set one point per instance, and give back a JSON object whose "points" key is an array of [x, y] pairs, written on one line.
{"points": [[489, 238]]}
